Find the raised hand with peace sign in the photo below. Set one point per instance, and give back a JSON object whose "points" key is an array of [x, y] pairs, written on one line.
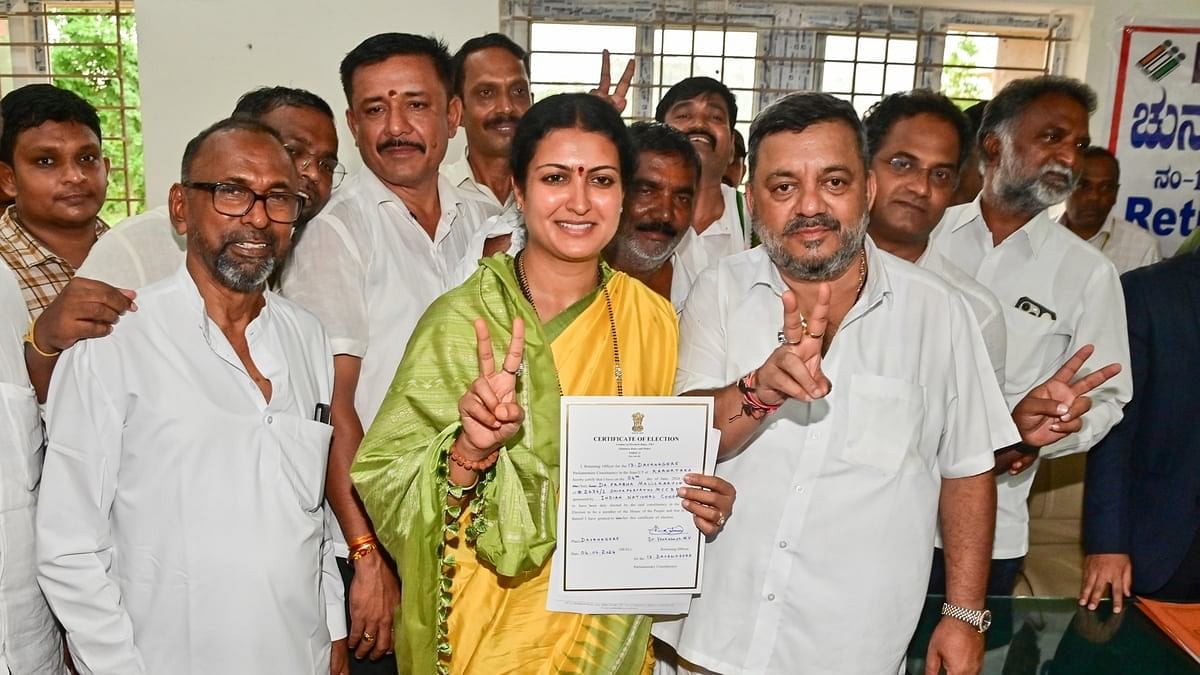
{"points": [[489, 410], [616, 98], [794, 369], [1053, 410]]}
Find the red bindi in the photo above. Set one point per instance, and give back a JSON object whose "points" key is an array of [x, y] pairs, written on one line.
{"points": [[579, 169]]}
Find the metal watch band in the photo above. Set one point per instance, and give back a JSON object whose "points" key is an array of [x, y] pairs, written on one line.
{"points": [[979, 618]]}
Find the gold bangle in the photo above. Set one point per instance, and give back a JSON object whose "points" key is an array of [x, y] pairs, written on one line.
{"points": [[29, 338], [359, 541], [361, 551]]}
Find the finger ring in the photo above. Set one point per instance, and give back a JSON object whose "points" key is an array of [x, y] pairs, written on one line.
{"points": [[514, 373], [721, 521], [367, 637], [815, 337]]}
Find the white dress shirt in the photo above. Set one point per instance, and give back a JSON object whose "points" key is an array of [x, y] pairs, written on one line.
{"points": [[137, 252], [1126, 245], [181, 527], [461, 176], [983, 303], [368, 270], [1058, 294], [698, 252], [823, 567], [29, 641]]}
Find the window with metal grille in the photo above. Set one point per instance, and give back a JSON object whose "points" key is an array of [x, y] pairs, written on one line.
{"points": [[90, 48], [764, 49]]}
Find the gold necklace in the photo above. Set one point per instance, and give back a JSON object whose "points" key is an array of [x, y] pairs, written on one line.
{"points": [[612, 320], [862, 280]]}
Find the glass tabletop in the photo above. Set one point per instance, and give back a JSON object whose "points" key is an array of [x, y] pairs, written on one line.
{"points": [[1055, 636]]}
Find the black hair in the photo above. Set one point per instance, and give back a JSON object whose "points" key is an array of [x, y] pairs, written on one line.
{"points": [[381, 47], [666, 140], [796, 112], [257, 103], [884, 115], [570, 111], [228, 124], [478, 44], [35, 104], [1093, 151], [975, 116], [1018, 95], [691, 87], [739, 146]]}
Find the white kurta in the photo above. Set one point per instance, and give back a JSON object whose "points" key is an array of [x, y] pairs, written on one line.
{"points": [[824, 565], [29, 640], [697, 252], [1058, 293], [181, 527]]}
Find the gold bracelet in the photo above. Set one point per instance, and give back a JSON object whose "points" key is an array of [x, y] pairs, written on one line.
{"points": [[33, 341], [361, 551]]}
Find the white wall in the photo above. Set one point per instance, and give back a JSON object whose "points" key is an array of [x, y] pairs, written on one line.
{"points": [[197, 56]]}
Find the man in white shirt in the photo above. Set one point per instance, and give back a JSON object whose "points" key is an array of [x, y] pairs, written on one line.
{"points": [[388, 244], [1058, 293], [29, 640], [491, 78], [145, 248], [181, 526], [706, 111], [657, 211], [1089, 214], [861, 407], [918, 141]]}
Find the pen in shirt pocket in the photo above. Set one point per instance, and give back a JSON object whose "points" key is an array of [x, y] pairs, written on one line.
{"points": [[321, 414]]}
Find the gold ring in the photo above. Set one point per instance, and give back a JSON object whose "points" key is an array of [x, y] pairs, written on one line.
{"points": [[368, 637], [815, 337], [721, 521]]}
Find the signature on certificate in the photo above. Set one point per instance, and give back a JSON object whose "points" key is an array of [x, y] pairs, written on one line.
{"points": [[666, 531]]}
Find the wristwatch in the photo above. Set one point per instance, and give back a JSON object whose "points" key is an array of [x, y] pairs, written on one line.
{"points": [[980, 619]]}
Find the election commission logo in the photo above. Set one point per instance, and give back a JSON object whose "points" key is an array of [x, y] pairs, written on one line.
{"points": [[1162, 60]]}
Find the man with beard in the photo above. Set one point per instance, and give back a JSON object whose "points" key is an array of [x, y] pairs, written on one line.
{"points": [[1061, 297], [658, 208], [854, 400], [146, 248], [389, 243], [1089, 214], [491, 78], [705, 111], [181, 527]]}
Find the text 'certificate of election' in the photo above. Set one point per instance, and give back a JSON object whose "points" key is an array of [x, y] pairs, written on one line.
{"points": [[622, 526]]}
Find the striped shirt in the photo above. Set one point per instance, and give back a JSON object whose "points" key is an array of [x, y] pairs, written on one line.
{"points": [[41, 272]]}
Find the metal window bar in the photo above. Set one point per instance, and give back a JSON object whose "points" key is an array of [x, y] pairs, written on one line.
{"points": [[28, 60], [790, 41]]}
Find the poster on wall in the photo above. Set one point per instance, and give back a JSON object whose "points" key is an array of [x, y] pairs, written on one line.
{"points": [[1155, 129]]}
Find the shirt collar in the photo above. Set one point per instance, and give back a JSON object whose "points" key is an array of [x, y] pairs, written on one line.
{"points": [[32, 251], [459, 171], [877, 287], [195, 306], [1032, 235]]}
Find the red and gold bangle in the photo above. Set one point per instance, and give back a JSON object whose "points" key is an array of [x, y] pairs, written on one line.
{"points": [[361, 546]]}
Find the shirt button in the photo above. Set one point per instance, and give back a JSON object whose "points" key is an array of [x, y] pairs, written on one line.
{"points": [[770, 597], [799, 489], [816, 435], [783, 544], [270, 419]]}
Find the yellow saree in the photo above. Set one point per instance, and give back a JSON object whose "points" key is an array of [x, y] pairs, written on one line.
{"points": [[474, 596]]}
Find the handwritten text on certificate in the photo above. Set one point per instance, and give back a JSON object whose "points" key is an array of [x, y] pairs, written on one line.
{"points": [[622, 525]]}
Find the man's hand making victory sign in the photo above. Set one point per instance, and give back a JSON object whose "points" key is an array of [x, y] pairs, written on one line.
{"points": [[617, 96], [794, 369], [489, 411]]}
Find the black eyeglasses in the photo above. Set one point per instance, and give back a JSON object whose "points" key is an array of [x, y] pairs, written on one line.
{"points": [[329, 167], [231, 199]]}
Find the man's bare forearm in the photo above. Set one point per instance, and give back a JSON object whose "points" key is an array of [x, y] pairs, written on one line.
{"points": [[347, 435], [968, 514]]}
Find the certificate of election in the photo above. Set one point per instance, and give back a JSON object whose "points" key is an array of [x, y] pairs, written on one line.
{"points": [[623, 534]]}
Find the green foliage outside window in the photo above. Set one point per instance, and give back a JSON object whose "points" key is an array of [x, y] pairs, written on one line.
{"points": [[100, 86]]}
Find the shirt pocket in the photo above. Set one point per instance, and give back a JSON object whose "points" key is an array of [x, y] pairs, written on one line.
{"points": [[304, 446], [23, 432], [884, 422], [1035, 344]]}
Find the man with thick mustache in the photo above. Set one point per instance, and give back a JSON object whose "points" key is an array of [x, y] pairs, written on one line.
{"points": [[491, 78], [658, 208], [182, 527], [854, 398], [389, 243], [705, 111], [1059, 294]]}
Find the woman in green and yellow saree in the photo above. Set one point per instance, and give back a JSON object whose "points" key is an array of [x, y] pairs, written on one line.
{"points": [[459, 472]]}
